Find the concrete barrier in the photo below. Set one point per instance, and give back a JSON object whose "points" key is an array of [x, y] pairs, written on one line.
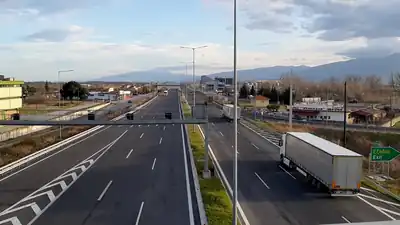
{"points": [[21, 131]]}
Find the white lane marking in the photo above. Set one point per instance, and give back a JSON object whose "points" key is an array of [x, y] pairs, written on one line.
{"points": [[221, 133], [141, 135], [164, 128], [380, 200], [188, 188], [367, 189], [130, 152], [241, 212], [119, 125], [287, 172], [262, 181], [389, 211], [345, 219], [160, 141], [91, 160], [154, 164], [13, 220], [377, 208], [148, 125], [139, 214], [156, 125], [131, 126], [140, 125], [104, 191], [213, 124], [255, 146], [56, 153]]}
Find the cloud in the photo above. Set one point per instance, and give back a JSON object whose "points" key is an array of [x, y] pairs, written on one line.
{"points": [[89, 59], [374, 48], [44, 6], [58, 35]]}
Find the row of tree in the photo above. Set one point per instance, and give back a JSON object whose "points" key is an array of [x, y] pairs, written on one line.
{"points": [[274, 95]]}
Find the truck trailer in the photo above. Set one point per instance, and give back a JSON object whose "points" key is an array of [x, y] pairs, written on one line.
{"points": [[322, 162], [228, 111]]}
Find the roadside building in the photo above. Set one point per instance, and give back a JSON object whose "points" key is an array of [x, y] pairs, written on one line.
{"points": [[260, 101], [102, 96], [10, 97], [314, 110], [368, 115]]}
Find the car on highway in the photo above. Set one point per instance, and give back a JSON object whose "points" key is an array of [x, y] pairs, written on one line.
{"points": [[130, 101]]}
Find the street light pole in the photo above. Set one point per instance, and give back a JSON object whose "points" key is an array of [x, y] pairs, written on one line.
{"points": [[235, 115], [59, 94], [194, 74]]}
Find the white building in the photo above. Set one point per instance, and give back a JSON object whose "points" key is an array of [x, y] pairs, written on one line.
{"points": [[315, 109], [102, 96]]}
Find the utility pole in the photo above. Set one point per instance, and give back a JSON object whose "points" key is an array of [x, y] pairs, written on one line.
{"points": [[194, 75], [345, 114], [235, 115], [59, 94], [290, 102]]}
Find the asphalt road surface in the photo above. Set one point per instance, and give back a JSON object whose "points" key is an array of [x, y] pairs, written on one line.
{"points": [[270, 195], [119, 175]]}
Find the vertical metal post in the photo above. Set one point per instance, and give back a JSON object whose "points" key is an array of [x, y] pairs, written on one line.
{"points": [[194, 85], [291, 105], [59, 100], [235, 86], [345, 114], [206, 172], [391, 110]]}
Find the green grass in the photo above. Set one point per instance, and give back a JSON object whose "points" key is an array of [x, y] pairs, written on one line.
{"points": [[216, 201]]}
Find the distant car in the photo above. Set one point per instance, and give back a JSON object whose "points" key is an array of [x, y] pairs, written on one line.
{"points": [[129, 101]]}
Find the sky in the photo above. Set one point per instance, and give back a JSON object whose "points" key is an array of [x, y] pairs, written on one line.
{"points": [[101, 38]]}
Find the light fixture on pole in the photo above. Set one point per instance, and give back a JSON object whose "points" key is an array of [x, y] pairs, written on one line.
{"points": [[194, 73], [235, 116], [59, 94]]}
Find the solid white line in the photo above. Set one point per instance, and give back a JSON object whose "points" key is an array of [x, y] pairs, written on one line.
{"points": [[225, 180], [380, 200], [367, 189], [263, 182], [154, 164], [345, 219], [255, 146], [164, 128], [221, 133], [130, 152], [377, 208], [390, 211], [139, 214], [188, 189], [141, 135], [287, 172], [131, 126], [104, 191], [160, 141]]}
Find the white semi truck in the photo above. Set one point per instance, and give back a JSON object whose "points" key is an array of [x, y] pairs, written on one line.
{"points": [[228, 111], [322, 162]]}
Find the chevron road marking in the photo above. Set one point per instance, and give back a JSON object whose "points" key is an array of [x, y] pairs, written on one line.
{"points": [[75, 172], [13, 221]]}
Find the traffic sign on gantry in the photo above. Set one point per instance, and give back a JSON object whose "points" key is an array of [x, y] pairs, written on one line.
{"points": [[383, 154]]}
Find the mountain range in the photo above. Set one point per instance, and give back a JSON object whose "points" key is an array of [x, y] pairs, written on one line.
{"points": [[382, 66]]}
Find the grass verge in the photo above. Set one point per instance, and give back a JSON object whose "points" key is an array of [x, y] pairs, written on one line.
{"points": [[216, 201]]}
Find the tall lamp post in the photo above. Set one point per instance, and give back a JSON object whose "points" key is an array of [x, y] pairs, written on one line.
{"points": [[59, 94], [235, 115], [194, 73]]}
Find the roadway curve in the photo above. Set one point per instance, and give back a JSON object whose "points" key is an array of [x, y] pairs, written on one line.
{"points": [[272, 196], [118, 175]]}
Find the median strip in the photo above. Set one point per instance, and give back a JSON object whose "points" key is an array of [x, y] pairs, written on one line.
{"points": [[215, 198]]}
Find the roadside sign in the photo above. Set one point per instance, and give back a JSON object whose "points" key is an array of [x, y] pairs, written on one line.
{"points": [[383, 154]]}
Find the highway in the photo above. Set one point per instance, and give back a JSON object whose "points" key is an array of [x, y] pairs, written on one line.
{"points": [[117, 175], [271, 195]]}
